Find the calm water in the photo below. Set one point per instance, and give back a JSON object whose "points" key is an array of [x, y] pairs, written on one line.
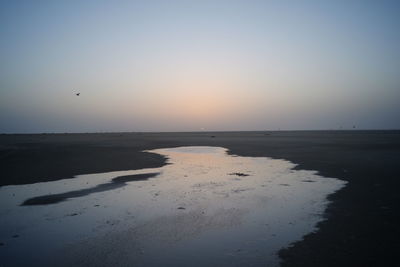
{"points": [[205, 208]]}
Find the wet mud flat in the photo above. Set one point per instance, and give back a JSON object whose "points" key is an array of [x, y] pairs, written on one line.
{"points": [[362, 223], [204, 208]]}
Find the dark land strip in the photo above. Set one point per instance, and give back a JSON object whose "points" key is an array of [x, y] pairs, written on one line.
{"points": [[114, 184]]}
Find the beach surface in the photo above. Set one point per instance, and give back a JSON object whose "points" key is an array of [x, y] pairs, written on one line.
{"points": [[361, 227]]}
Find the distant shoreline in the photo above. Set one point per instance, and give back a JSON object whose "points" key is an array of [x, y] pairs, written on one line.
{"points": [[188, 132]]}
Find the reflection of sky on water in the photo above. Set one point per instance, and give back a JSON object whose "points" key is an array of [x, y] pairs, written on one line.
{"points": [[199, 210]]}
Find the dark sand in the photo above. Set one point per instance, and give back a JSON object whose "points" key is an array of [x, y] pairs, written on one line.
{"points": [[362, 226], [114, 184]]}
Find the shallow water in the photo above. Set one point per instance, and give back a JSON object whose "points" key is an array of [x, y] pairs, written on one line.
{"points": [[205, 208]]}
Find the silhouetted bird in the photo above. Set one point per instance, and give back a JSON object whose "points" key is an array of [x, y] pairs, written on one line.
{"points": [[77, 94]]}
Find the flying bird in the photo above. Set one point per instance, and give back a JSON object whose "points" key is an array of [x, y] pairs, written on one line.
{"points": [[77, 94]]}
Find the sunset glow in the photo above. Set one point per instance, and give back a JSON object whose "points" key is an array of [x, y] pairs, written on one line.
{"points": [[185, 65]]}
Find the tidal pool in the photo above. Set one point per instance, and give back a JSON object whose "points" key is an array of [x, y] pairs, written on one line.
{"points": [[204, 208]]}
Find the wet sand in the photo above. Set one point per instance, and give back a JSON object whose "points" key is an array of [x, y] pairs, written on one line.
{"points": [[361, 230], [205, 207]]}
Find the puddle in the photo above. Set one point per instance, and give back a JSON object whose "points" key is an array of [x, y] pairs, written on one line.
{"points": [[206, 208]]}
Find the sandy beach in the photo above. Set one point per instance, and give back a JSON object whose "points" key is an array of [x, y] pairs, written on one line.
{"points": [[361, 226], [199, 133]]}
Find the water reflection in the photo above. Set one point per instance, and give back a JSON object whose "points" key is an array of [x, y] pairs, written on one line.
{"points": [[205, 208]]}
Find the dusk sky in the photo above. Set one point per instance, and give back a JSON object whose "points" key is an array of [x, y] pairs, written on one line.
{"points": [[198, 65]]}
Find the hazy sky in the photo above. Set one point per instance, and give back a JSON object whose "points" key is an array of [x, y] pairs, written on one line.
{"points": [[187, 65]]}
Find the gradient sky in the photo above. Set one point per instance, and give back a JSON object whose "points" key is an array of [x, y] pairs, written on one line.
{"points": [[191, 65]]}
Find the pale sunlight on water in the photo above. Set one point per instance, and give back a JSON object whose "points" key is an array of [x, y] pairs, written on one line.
{"points": [[203, 208]]}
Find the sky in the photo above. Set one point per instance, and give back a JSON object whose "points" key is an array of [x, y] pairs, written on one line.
{"points": [[198, 65]]}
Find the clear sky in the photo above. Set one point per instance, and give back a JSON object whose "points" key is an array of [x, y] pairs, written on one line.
{"points": [[191, 65]]}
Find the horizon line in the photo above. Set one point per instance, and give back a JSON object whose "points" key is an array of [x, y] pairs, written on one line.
{"points": [[211, 131]]}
